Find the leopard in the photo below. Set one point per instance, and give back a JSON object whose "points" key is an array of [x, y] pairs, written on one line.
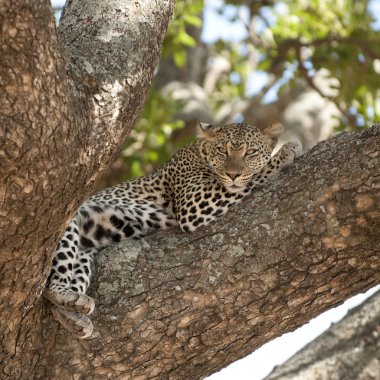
{"points": [[196, 186]]}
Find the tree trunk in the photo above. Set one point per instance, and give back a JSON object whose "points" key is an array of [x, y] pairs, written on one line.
{"points": [[65, 109], [349, 350], [179, 306]]}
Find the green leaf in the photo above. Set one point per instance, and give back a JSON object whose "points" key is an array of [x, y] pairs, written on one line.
{"points": [[179, 58], [193, 20], [186, 39]]}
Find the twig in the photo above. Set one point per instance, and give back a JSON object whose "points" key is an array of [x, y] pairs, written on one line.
{"points": [[352, 119]]}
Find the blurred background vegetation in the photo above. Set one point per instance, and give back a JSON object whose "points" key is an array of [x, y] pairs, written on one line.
{"points": [[312, 65]]}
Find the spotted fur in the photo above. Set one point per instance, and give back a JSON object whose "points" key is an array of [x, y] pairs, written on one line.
{"points": [[197, 185]]}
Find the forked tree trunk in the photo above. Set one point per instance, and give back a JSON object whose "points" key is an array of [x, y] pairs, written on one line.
{"points": [[65, 108], [176, 306]]}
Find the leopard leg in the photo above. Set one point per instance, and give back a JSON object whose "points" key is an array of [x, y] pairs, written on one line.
{"points": [[58, 288], [283, 158], [288, 152], [80, 280]]}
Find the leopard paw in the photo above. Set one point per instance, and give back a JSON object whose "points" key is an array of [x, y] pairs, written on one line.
{"points": [[290, 151], [294, 146], [71, 301], [76, 323]]}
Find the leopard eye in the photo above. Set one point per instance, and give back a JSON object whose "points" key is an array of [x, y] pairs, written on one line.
{"points": [[252, 152], [222, 150]]}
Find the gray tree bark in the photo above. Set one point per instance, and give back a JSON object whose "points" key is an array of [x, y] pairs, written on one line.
{"points": [[176, 306], [66, 104], [349, 350]]}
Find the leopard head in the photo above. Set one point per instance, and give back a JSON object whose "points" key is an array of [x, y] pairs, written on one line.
{"points": [[236, 152]]}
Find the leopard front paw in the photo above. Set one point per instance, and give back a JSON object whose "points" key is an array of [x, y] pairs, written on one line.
{"points": [[76, 323], [71, 301], [290, 151], [293, 147]]}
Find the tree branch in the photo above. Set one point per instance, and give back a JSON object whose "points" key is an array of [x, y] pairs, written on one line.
{"points": [[359, 42], [304, 73], [347, 350], [112, 50], [183, 306]]}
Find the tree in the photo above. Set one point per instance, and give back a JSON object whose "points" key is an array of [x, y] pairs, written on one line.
{"points": [[68, 101], [178, 305], [348, 350], [286, 61]]}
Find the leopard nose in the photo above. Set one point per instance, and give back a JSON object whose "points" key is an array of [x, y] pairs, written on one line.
{"points": [[233, 175]]}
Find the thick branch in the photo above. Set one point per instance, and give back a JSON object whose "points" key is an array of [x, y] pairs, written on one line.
{"points": [[183, 306], [348, 350], [112, 49]]}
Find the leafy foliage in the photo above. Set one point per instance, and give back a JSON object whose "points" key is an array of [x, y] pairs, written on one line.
{"points": [[187, 13], [335, 36], [282, 41], [149, 143]]}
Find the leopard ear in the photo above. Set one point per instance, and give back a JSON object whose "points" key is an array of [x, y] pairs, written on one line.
{"points": [[272, 133], [207, 131]]}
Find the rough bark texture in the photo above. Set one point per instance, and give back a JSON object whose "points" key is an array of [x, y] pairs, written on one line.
{"points": [[180, 306], [349, 350], [64, 111]]}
